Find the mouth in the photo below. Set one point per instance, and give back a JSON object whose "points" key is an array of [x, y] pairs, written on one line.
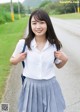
{"points": [[39, 31]]}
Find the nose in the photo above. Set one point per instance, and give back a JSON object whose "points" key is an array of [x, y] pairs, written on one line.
{"points": [[38, 25]]}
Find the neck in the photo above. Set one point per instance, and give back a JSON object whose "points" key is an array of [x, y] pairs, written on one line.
{"points": [[40, 39]]}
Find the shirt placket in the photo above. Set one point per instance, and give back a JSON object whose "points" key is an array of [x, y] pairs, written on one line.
{"points": [[41, 65], [40, 62]]}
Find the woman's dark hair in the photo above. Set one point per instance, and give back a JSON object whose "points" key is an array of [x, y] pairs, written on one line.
{"points": [[50, 33]]}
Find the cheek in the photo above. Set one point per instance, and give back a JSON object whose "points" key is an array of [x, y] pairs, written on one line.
{"points": [[45, 27], [32, 27]]}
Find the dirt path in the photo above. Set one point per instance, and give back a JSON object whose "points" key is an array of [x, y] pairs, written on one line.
{"points": [[13, 88]]}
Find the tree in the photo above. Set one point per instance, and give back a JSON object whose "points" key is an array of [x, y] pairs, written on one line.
{"points": [[22, 9], [58, 8], [72, 3]]}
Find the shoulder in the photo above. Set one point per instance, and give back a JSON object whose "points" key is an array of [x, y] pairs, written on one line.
{"points": [[21, 41], [20, 44]]}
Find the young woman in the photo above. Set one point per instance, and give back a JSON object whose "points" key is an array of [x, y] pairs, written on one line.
{"points": [[40, 90]]}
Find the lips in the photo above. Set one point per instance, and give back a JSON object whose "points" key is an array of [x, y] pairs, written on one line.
{"points": [[39, 31]]}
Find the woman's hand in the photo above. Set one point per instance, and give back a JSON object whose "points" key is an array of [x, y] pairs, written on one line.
{"points": [[20, 57], [61, 56]]}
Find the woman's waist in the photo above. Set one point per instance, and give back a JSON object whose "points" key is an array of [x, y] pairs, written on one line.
{"points": [[39, 76]]}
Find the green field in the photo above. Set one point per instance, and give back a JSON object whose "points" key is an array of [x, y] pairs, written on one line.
{"points": [[10, 33], [68, 16]]}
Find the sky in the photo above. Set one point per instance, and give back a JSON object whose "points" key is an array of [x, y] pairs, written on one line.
{"points": [[7, 1]]}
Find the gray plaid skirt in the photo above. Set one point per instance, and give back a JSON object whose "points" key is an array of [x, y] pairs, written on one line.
{"points": [[41, 96]]}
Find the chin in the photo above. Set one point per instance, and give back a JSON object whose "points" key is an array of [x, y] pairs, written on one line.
{"points": [[39, 34]]}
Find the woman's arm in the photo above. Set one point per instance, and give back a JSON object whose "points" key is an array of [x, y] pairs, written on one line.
{"points": [[61, 56], [20, 57]]}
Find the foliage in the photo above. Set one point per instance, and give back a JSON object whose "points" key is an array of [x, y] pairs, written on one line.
{"points": [[22, 9], [44, 3], [9, 36], [58, 8], [72, 1], [5, 12], [4, 15]]}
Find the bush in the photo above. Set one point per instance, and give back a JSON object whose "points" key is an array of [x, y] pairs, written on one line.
{"points": [[2, 19], [5, 13], [7, 17]]}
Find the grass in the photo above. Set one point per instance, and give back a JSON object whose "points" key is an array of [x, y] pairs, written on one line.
{"points": [[68, 16], [10, 33]]}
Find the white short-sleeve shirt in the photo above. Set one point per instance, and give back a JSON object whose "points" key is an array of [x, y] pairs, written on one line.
{"points": [[38, 64]]}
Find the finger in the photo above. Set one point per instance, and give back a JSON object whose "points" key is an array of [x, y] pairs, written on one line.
{"points": [[57, 53], [24, 53]]}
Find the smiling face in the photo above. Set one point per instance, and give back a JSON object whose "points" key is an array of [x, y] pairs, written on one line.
{"points": [[39, 27]]}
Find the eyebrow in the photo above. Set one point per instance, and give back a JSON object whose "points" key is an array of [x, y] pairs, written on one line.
{"points": [[33, 21], [36, 21]]}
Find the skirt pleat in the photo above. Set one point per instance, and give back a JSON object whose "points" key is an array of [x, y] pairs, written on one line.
{"points": [[41, 96]]}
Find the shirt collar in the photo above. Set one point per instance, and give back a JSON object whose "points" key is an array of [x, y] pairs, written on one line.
{"points": [[34, 44], [46, 45]]}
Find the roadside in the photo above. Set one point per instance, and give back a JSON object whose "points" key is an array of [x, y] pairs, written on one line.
{"points": [[13, 88], [10, 33], [72, 26], [13, 85]]}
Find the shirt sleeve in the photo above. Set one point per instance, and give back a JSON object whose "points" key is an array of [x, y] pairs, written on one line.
{"points": [[19, 47], [56, 60]]}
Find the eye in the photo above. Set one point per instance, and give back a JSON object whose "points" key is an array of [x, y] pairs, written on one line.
{"points": [[34, 23], [42, 22]]}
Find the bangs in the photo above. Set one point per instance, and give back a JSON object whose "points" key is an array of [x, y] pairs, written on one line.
{"points": [[38, 17]]}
